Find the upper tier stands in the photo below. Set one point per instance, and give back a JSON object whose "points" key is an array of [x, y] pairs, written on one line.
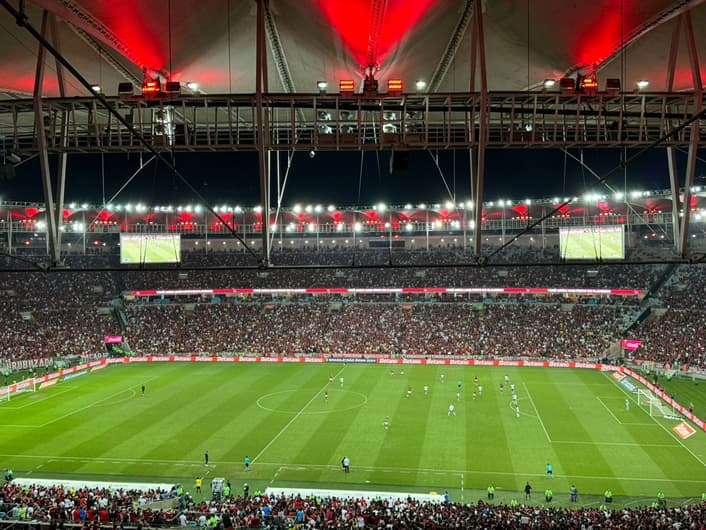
{"points": [[69, 312]]}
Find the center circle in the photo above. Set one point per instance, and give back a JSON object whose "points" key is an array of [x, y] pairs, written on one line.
{"points": [[293, 401]]}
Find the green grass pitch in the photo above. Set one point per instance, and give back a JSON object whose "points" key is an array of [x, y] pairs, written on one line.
{"points": [[100, 426], [153, 250], [593, 245]]}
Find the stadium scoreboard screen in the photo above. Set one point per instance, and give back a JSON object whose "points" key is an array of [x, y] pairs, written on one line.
{"points": [[592, 242], [150, 248]]}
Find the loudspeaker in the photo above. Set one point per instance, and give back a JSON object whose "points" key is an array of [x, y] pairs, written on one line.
{"points": [[399, 162], [7, 172]]}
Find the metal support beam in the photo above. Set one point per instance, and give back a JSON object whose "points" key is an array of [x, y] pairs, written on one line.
{"points": [[262, 131], [693, 135], [477, 179], [53, 247], [64, 138], [671, 159], [451, 47], [675, 10]]}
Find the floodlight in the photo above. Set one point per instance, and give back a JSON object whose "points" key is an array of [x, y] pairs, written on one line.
{"points": [[346, 86], [420, 84], [549, 83], [395, 86], [642, 84]]}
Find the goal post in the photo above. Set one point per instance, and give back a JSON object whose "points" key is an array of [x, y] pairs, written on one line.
{"points": [[655, 406], [10, 391]]}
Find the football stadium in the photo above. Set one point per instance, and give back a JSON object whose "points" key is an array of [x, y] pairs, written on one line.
{"points": [[374, 264]]}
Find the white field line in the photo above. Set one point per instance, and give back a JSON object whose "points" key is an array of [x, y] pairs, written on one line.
{"points": [[609, 411], [280, 466], [54, 420], [668, 431], [617, 444], [35, 401], [621, 422], [296, 416], [537, 411]]}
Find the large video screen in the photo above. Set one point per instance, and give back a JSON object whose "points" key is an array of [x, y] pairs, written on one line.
{"points": [[592, 242], [137, 249]]}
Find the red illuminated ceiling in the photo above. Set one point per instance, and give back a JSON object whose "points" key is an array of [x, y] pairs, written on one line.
{"points": [[352, 21], [212, 42], [138, 24]]}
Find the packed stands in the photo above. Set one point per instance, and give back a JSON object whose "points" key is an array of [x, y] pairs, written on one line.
{"points": [[96, 507], [498, 330]]}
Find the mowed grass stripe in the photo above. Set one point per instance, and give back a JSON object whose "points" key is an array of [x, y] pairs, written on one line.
{"points": [[423, 426], [326, 429], [595, 424], [322, 434], [81, 414], [110, 430]]}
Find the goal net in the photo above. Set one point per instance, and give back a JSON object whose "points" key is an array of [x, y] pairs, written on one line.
{"points": [[9, 392], [655, 406]]}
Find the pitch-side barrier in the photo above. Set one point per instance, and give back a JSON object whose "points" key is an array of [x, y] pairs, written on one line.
{"points": [[86, 368]]}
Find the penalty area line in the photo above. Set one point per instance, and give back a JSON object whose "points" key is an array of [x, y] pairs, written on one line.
{"points": [[668, 431]]}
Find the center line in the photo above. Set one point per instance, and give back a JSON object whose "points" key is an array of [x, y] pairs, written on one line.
{"points": [[294, 418]]}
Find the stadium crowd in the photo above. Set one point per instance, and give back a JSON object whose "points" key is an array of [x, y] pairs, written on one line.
{"points": [[56, 507], [675, 338], [498, 330], [68, 313]]}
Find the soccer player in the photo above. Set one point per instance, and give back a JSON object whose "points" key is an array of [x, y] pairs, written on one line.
{"points": [[205, 458], [549, 471], [325, 395], [514, 399], [475, 380], [386, 422], [452, 410], [459, 384], [199, 481], [458, 396], [507, 379], [426, 390], [143, 390], [346, 464], [480, 390], [341, 381], [442, 377], [401, 371], [627, 404], [517, 411], [502, 388], [409, 391], [247, 463], [528, 491], [474, 394], [512, 387], [330, 377]]}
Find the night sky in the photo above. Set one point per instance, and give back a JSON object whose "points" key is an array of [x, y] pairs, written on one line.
{"points": [[334, 177]]}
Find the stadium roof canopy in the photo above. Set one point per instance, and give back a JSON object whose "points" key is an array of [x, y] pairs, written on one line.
{"points": [[212, 42]]}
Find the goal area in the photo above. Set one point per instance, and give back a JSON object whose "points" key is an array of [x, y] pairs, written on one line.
{"points": [[655, 406], [10, 392]]}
